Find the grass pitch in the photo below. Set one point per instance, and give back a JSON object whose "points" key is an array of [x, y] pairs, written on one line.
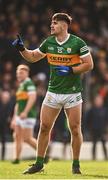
{"points": [[55, 170]]}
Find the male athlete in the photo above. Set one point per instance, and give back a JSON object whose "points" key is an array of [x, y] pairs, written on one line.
{"points": [[68, 57], [24, 118]]}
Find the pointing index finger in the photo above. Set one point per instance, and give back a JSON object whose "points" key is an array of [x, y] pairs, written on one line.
{"points": [[19, 37]]}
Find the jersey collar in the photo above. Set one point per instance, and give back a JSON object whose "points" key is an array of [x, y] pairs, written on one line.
{"points": [[60, 43], [25, 80]]}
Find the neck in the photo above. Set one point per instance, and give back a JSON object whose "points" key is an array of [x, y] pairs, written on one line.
{"points": [[62, 37]]}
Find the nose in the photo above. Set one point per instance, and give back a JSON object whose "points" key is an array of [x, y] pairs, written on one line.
{"points": [[52, 25]]}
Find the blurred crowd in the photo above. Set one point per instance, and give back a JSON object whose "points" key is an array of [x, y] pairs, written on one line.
{"points": [[32, 19]]}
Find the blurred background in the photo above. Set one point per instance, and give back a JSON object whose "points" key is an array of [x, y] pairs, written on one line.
{"points": [[31, 18]]}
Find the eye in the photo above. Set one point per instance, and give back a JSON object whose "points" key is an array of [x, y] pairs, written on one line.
{"points": [[55, 23]]}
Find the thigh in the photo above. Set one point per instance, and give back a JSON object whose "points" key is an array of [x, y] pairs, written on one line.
{"points": [[72, 100], [27, 133], [19, 122], [18, 132], [48, 115], [52, 100], [74, 115]]}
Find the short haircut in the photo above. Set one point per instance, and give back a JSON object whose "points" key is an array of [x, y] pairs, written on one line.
{"points": [[62, 17], [23, 67]]}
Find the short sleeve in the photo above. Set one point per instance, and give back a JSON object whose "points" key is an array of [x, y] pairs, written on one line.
{"points": [[43, 46], [30, 87], [83, 48]]}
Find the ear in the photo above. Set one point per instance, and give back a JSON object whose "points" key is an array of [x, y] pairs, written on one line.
{"points": [[65, 26]]}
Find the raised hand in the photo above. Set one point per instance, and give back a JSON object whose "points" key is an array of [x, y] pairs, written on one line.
{"points": [[18, 43]]}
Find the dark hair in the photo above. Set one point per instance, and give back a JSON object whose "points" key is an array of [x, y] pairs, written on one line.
{"points": [[62, 17]]}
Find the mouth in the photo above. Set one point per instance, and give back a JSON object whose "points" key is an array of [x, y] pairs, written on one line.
{"points": [[52, 29]]}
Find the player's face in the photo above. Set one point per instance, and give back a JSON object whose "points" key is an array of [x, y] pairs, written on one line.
{"points": [[21, 75], [56, 27]]}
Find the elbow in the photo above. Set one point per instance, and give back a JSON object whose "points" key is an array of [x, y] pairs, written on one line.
{"points": [[34, 97], [91, 66]]}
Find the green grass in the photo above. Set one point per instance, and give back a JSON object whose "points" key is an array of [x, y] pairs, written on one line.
{"points": [[55, 170]]}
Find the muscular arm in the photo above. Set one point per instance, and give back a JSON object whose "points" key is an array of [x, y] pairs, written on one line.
{"points": [[32, 55], [87, 65]]}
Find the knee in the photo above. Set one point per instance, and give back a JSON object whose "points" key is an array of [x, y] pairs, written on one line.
{"points": [[26, 140], [75, 130], [45, 128]]}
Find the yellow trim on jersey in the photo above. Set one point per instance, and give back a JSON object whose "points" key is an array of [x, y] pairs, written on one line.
{"points": [[23, 95], [63, 60]]}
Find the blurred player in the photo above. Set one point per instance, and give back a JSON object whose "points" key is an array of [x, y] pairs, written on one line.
{"points": [[69, 57], [24, 117]]}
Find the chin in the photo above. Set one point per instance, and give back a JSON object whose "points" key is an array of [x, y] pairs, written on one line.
{"points": [[52, 33], [20, 80]]}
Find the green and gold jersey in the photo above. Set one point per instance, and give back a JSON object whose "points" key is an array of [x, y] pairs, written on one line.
{"points": [[22, 94], [68, 53]]}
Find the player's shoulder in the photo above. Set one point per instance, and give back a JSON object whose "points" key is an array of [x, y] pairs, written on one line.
{"points": [[28, 81], [29, 85], [50, 38], [77, 38]]}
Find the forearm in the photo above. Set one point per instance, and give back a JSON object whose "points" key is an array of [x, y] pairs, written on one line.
{"points": [[82, 68], [29, 104], [87, 65], [15, 113], [29, 55], [15, 110]]}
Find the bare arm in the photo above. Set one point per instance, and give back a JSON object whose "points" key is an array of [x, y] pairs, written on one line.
{"points": [[15, 110], [29, 55], [13, 122], [30, 102], [32, 55], [87, 65]]}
